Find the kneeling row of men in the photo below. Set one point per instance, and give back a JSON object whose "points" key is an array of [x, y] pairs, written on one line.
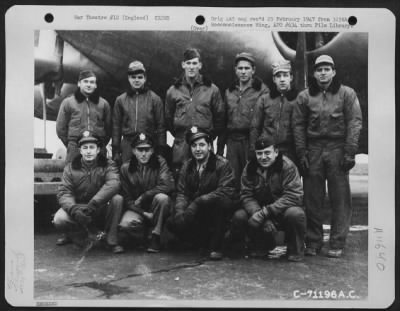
{"points": [[202, 207]]}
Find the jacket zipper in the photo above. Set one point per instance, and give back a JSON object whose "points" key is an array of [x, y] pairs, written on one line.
{"points": [[88, 114], [136, 113]]}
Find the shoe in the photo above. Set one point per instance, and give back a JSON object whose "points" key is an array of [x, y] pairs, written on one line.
{"points": [[295, 258], [155, 245], [310, 251], [215, 255], [63, 241], [117, 249], [335, 253]]}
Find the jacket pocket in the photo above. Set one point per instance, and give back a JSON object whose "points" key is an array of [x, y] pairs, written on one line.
{"points": [[336, 123]]}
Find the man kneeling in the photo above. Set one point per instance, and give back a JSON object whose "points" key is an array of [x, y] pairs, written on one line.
{"points": [[89, 196], [205, 191], [272, 199], [146, 184]]}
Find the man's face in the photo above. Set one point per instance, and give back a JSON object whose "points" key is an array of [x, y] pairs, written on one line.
{"points": [[87, 86], [266, 157], [143, 153], [137, 80], [282, 80], [200, 149], [89, 151], [244, 71], [192, 67], [324, 74]]}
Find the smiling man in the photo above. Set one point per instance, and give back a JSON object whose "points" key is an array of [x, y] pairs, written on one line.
{"points": [[139, 109], [327, 127], [272, 199], [206, 194], [83, 111], [88, 195], [240, 101], [273, 112], [193, 100], [147, 185]]}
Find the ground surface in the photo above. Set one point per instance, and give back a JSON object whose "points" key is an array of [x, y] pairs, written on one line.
{"points": [[68, 273]]}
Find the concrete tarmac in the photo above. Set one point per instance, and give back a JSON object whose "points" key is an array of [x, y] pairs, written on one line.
{"points": [[68, 273]]}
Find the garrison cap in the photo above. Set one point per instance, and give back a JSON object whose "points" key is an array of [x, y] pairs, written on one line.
{"points": [[281, 66], [195, 133], [88, 137], [136, 67], [324, 59], [264, 142], [84, 74], [143, 140], [245, 56], [190, 54]]}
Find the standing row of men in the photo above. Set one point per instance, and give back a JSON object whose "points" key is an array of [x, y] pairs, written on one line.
{"points": [[257, 187]]}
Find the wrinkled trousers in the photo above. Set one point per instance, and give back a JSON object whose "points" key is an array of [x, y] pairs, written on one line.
{"points": [[292, 222], [107, 217], [237, 152], [325, 159], [134, 225]]}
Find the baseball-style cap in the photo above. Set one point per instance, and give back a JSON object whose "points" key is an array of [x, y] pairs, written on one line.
{"points": [[281, 66], [245, 56], [195, 133], [87, 137], [142, 140], [324, 59], [136, 67], [84, 74]]}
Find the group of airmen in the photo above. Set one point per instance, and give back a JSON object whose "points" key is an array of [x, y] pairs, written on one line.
{"points": [[282, 147]]}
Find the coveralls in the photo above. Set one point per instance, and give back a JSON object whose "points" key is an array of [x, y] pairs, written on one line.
{"points": [[327, 128]]}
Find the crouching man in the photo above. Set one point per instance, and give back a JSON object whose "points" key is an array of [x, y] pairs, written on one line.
{"points": [[272, 199], [205, 193], [89, 196], [147, 184]]}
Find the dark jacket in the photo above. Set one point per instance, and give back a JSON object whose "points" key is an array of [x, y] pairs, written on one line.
{"points": [[332, 114], [280, 189], [83, 184], [78, 114], [201, 106], [141, 111], [215, 182], [273, 117], [146, 181]]}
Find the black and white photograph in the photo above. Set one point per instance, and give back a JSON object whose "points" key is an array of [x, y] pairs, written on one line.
{"points": [[224, 159]]}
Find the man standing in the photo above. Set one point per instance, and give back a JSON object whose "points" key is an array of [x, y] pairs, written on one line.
{"points": [[240, 101], [84, 111], [137, 110], [147, 185], [272, 199], [206, 194], [327, 127], [89, 196], [192, 101], [273, 112]]}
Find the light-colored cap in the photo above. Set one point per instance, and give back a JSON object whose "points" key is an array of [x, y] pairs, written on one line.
{"points": [[281, 66], [324, 59], [136, 67]]}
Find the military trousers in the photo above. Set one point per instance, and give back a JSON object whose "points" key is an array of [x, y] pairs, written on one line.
{"points": [[106, 218], [237, 152], [135, 226], [325, 158], [292, 222]]}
